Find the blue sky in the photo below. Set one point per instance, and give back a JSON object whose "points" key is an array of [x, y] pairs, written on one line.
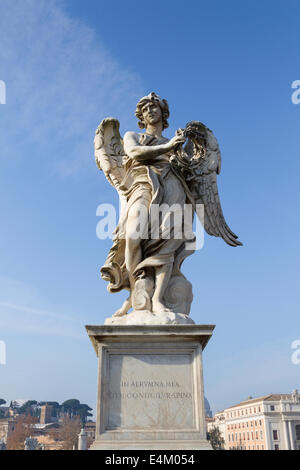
{"points": [[67, 65]]}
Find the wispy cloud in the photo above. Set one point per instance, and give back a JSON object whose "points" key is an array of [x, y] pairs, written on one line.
{"points": [[30, 320], [60, 83], [27, 317], [33, 311]]}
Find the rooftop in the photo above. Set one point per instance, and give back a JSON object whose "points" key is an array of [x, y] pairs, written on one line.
{"points": [[270, 397]]}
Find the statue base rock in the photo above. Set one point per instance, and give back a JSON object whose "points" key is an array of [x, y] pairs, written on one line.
{"points": [[145, 317], [150, 387]]}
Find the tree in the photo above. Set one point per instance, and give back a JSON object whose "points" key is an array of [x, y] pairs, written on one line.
{"points": [[23, 428], [84, 412], [29, 408], [68, 432], [70, 407], [216, 439], [55, 406], [73, 408], [2, 412]]}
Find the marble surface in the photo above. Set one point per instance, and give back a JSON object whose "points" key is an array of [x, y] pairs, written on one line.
{"points": [[145, 317], [161, 183], [150, 386], [151, 391]]}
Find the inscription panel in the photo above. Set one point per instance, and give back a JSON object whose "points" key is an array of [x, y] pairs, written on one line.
{"points": [[150, 392]]}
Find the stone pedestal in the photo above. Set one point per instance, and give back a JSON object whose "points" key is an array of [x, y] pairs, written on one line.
{"points": [[150, 387]]}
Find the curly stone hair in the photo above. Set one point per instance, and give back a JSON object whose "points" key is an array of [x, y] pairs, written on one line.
{"points": [[163, 104]]}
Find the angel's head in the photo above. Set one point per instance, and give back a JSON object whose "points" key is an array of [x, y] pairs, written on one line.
{"points": [[151, 109]]}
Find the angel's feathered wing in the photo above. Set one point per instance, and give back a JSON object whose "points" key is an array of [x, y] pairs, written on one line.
{"points": [[110, 158], [109, 152], [205, 163]]}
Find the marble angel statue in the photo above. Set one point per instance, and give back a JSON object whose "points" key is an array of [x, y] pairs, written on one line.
{"points": [[150, 173]]}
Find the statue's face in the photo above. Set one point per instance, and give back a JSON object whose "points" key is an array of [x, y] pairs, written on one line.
{"points": [[152, 113]]}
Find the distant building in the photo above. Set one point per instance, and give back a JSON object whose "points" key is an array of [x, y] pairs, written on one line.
{"points": [[46, 414], [7, 427], [90, 429], [271, 422], [47, 435]]}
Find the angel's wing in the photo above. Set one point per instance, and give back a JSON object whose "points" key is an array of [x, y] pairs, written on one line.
{"points": [[109, 152], [206, 165], [110, 158]]}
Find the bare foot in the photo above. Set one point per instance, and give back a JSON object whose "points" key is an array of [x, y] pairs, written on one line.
{"points": [[159, 306], [119, 313]]}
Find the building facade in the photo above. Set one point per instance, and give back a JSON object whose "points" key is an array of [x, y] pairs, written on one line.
{"points": [[271, 422], [7, 427]]}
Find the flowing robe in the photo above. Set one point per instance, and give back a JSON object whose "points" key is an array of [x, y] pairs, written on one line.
{"points": [[152, 182]]}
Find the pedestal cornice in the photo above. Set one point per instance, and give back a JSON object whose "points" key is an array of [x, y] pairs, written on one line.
{"points": [[149, 333]]}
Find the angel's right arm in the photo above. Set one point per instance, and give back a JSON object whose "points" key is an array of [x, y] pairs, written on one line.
{"points": [[134, 149]]}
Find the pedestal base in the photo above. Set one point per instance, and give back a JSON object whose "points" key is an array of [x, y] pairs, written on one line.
{"points": [[150, 387]]}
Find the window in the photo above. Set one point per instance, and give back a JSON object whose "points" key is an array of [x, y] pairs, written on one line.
{"points": [[275, 435], [272, 408], [297, 428], [276, 447]]}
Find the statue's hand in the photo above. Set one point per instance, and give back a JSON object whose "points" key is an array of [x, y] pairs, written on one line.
{"points": [[178, 139]]}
